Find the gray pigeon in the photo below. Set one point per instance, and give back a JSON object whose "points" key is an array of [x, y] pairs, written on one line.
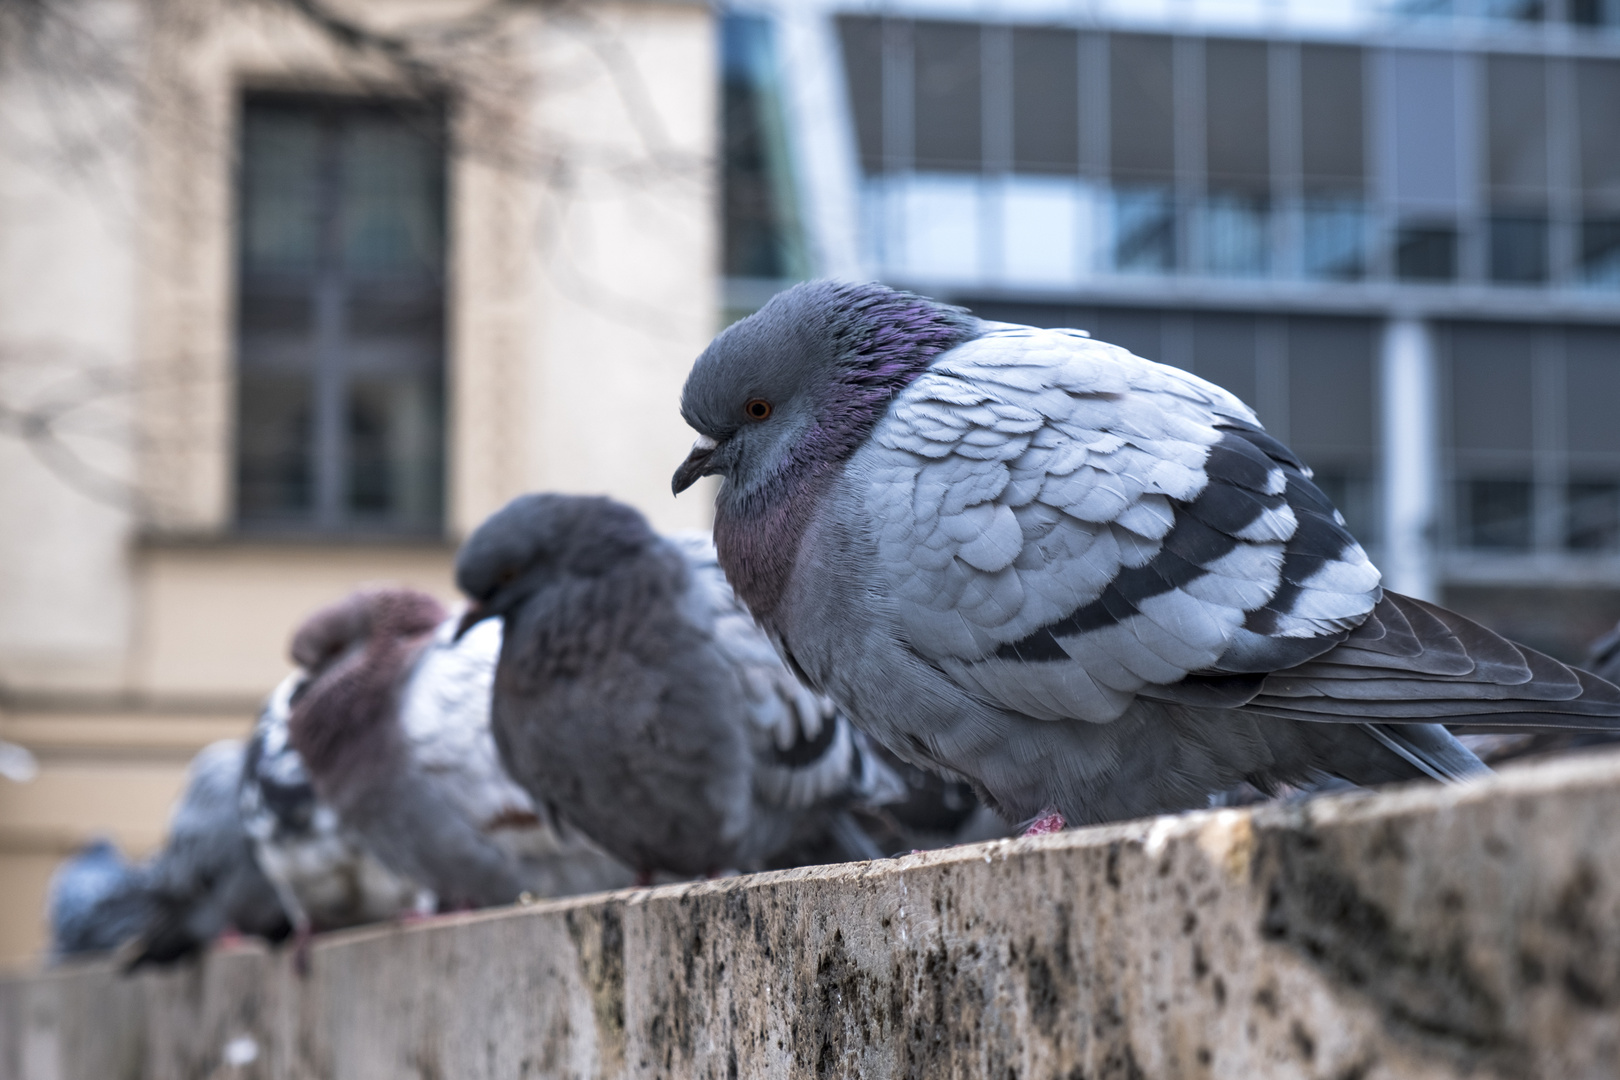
{"points": [[1603, 660], [97, 900], [205, 880], [1090, 584], [637, 697], [394, 728], [326, 877]]}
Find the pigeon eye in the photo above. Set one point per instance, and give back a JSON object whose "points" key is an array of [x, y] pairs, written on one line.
{"points": [[758, 409]]}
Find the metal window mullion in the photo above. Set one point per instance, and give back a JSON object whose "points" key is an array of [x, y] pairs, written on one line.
{"points": [[1471, 145], [330, 389]]}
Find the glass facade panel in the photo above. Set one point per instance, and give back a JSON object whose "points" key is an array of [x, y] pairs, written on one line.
{"points": [[1600, 252], [1496, 514], [861, 39], [1224, 352], [1597, 94], [1592, 390], [1332, 132], [1426, 253], [947, 97], [340, 323], [1335, 239], [1516, 121], [1141, 107], [1046, 100], [1234, 238], [1594, 12], [1144, 228], [1237, 143], [1518, 250], [761, 237], [1593, 515]]}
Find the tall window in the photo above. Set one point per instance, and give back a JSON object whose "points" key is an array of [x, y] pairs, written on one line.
{"points": [[340, 324]]}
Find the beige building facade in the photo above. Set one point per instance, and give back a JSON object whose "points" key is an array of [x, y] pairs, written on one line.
{"points": [[163, 526]]}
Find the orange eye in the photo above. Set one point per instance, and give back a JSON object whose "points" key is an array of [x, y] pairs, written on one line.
{"points": [[758, 409]]}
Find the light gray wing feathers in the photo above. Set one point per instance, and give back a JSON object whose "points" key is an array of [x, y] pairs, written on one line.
{"points": [[1063, 523]]}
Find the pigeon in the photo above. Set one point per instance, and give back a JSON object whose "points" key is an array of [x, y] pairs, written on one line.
{"points": [[97, 900], [206, 880], [325, 876], [393, 726], [1089, 584], [637, 697]]}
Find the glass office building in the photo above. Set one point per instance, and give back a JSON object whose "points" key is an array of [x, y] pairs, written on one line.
{"points": [[1391, 228]]}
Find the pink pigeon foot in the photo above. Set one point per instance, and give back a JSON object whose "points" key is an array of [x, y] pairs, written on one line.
{"points": [[1048, 821]]}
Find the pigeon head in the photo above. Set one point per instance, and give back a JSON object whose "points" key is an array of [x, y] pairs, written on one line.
{"points": [[799, 384], [364, 616], [535, 540]]}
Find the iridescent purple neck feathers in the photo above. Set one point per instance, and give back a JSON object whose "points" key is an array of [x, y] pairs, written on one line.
{"points": [[883, 340]]}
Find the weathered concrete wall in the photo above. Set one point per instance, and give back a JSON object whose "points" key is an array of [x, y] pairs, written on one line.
{"points": [[1424, 932]]}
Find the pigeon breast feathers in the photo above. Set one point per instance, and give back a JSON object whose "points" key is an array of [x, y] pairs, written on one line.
{"points": [[1063, 523]]}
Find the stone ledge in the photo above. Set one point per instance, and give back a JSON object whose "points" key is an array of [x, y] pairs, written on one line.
{"points": [[1417, 932]]}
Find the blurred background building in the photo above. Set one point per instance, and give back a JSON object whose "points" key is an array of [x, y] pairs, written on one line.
{"points": [[292, 294], [1393, 228]]}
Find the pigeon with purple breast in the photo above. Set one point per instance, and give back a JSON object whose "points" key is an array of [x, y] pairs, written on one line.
{"points": [[1090, 584], [639, 700], [394, 728]]}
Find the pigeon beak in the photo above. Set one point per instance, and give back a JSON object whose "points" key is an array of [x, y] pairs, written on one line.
{"points": [[695, 465], [475, 614]]}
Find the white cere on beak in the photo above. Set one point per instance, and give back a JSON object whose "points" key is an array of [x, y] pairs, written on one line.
{"points": [[703, 444]]}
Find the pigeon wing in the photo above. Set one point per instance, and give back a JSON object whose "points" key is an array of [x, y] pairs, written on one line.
{"points": [[1064, 525], [806, 752]]}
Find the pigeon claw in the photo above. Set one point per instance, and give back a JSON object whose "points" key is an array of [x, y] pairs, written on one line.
{"points": [[1048, 821]]}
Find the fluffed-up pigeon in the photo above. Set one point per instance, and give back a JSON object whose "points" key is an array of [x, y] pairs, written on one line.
{"points": [[206, 880], [325, 875], [97, 900], [1088, 583], [394, 728], [640, 700]]}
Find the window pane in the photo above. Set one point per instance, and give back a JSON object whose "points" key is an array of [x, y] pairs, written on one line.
{"points": [[1519, 250], [761, 237], [1426, 253], [395, 470], [1592, 383], [1335, 239], [1496, 514], [1593, 509], [1516, 110], [1600, 252], [1516, 10], [1237, 145], [1046, 101], [1597, 89], [1141, 128], [1331, 117], [949, 112], [1490, 388], [1233, 237], [1144, 230], [1595, 12], [862, 41], [393, 201], [280, 159], [1142, 332], [275, 477]]}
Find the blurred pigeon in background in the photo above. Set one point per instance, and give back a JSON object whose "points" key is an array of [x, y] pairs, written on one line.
{"points": [[206, 880], [324, 874], [394, 728], [638, 698], [1088, 583], [16, 763], [97, 900]]}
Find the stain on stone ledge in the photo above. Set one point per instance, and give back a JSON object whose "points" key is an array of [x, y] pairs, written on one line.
{"points": [[1420, 978]]}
